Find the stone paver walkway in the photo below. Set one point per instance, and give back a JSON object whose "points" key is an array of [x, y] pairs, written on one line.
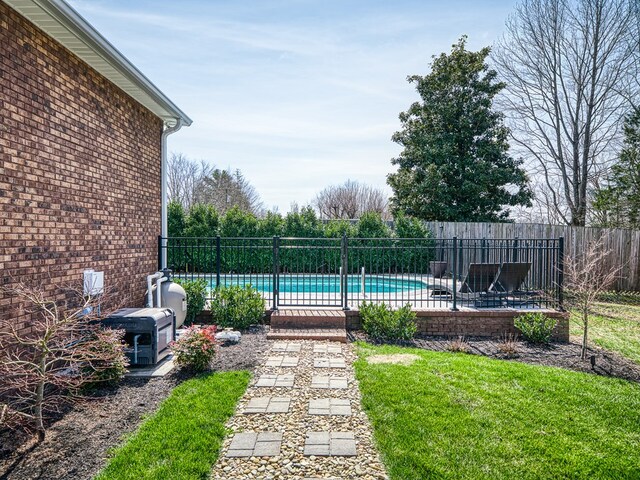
{"points": [[330, 406], [268, 405], [301, 421], [250, 444], [267, 380], [282, 361]]}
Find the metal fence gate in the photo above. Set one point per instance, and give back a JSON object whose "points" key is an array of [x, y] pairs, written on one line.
{"points": [[309, 272]]}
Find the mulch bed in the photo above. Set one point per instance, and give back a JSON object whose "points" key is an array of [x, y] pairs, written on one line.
{"points": [[563, 355], [77, 444]]}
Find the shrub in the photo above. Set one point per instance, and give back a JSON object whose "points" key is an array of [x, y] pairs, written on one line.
{"points": [[196, 348], [196, 296], [621, 297], [381, 322], [508, 346], [371, 225], [237, 307], [459, 345], [535, 327]]}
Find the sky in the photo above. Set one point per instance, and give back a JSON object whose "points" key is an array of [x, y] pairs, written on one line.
{"points": [[297, 94]]}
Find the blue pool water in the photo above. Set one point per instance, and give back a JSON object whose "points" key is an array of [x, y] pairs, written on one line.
{"points": [[323, 283]]}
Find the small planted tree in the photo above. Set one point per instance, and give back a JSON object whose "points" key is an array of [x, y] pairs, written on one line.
{"points": [[48, 364], [587, 274]]}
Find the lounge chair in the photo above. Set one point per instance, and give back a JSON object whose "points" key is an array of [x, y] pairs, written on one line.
{"points": [[510, 277], [506, 286], [477, 281], [479, 278]]}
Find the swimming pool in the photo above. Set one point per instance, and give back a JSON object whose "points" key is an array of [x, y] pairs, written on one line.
{"points": [[323, 283]]}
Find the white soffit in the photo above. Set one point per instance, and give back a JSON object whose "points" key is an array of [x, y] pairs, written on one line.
{"points": [[59, 20]]}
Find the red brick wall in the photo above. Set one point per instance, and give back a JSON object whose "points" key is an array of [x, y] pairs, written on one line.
{"points": [[480, 323], [79, 171]]}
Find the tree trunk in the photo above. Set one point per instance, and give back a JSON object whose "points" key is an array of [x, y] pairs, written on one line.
{"points": [[585, 324], [40, 399]]}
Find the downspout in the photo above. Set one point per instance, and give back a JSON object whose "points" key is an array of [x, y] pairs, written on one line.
{"points": [[164, 229]]}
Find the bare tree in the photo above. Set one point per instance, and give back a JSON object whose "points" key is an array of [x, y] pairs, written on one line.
{"points": [[350, 200], [587, 274], [542, 209], [190, 182], [45, 366], [183, 175], [225, 189], [570, 72]]}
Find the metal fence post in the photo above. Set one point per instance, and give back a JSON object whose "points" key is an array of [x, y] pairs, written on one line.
{"points": [[218, 261], [454, 274], [561, 273], [276, 245], [345, 274], [159, 252]]}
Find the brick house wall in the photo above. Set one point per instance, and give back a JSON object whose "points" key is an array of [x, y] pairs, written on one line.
{"points": [[80, 172]]}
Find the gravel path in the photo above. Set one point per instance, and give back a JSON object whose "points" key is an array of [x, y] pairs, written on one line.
{"points": [[325, 436]]}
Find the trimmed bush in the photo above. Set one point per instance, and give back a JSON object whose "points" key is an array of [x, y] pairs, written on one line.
{"points": [[381, 322], [237, 307], [535, 327], [196, 348], [196, 296]]}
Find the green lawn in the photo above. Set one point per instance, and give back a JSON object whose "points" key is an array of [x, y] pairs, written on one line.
{"points": [[615, 327], [464, 416], [182, 439]]}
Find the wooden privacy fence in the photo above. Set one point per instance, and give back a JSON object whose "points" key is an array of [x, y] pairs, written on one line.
{"points": [[624, 244]]}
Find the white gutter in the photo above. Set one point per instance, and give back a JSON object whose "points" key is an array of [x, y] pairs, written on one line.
{"points": [[58, 19], [164, 229]]}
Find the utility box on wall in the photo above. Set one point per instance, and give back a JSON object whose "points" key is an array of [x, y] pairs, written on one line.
{"points": [[148, 332], [93, 282]]}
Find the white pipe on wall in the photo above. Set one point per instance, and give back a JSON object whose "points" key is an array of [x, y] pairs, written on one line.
{"points": [[164, 229], [150, 279], [159, 291]]}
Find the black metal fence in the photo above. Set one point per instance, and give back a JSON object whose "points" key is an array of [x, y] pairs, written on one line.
{"points": [[343, 272]]}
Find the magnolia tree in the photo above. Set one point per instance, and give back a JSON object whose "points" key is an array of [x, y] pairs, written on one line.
{"points": [[587, 274], [49, 363]]}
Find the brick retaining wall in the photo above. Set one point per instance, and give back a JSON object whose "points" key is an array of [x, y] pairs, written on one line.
{"points": [[80, 172], [476, 323]]}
